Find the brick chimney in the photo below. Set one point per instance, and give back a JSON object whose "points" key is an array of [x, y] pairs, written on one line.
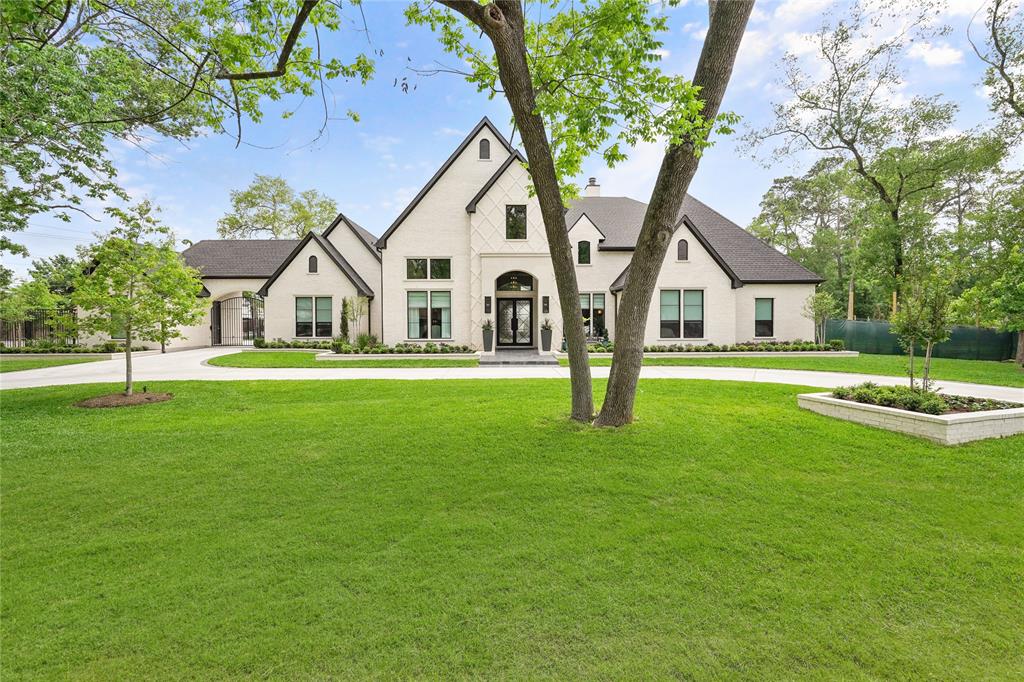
{"points": [[592, 189]]}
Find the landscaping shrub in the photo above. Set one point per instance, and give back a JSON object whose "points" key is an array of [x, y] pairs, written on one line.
{"points": [[107, 347], [901, 397], [837, 344], [344, 348], [747, 346], [366, 340], [259, 342]]}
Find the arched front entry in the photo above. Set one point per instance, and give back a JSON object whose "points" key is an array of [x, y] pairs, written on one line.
{"points": [[236, 321], [516, 297]]}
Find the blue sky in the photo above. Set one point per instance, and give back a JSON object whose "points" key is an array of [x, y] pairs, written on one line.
{"points": [[373, 168]]}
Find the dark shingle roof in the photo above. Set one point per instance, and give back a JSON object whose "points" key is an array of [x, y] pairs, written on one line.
{"points": [[742, 255], [243, 258]]}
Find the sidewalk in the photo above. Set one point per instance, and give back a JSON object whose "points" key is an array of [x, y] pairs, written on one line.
{"points": [[189, 365]]}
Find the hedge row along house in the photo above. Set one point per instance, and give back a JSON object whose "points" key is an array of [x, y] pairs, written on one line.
{"points": [[470, 247]]}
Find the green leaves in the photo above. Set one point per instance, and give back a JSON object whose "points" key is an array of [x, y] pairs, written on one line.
{"points": [[116, 70], [597, 77], [269, 207]]}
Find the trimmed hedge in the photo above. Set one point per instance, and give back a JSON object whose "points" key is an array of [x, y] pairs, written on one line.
{"points": [[747, 347], [57, 350], [281, 343], [345, 348], [916, 399]]}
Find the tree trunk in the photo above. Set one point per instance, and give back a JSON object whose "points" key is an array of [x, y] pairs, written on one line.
{"points": [[849, 299], [911, 364], [926, 368], [128, 362], [503, 22], [714, 69], [163, 337], [1020, 348]]}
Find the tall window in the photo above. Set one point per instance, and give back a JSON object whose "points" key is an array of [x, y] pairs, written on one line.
{"points": [[313, 314], [693, 314], [430, 314], [440, 314], [682, 250], [583, 253], [417, 315], [312, 264], [515, 222], [485, 150], [417, 268], [669, 315], [764, 317], [592, 310]]}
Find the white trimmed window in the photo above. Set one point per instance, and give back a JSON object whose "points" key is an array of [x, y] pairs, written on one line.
{"points": [[429, 315]]}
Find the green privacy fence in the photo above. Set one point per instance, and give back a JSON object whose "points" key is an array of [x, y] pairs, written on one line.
{"points": [[966, 343]]}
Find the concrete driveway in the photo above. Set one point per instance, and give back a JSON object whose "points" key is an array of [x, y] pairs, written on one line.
{"points": [[189, 365]]}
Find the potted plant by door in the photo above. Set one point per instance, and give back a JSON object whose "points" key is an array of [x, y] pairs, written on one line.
{"points": [[488, 328], [545, 335]]}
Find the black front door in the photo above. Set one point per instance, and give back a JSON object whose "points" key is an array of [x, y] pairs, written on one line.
{"points": [[515, 321]]}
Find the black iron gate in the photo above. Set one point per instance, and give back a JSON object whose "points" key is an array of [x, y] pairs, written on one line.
{"points": [[236, 321]]}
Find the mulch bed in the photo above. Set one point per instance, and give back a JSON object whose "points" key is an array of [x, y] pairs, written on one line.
{"points": [[122, 400]]}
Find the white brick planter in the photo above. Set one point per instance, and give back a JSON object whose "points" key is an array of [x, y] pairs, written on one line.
{"points": [[946, 429]]}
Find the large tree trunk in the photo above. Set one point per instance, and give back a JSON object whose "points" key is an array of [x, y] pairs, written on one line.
{"points": [[503, 23], [1020, 348], [728, 22], [849, 299]]}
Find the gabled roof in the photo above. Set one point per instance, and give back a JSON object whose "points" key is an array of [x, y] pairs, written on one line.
{"points": [[360, 284], [238, 258], [514, 156], [382, 243], [569, 225], [364, 235], [742, 256]]}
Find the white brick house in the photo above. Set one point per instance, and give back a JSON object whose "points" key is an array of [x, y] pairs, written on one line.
{"points": [[471, 247]]}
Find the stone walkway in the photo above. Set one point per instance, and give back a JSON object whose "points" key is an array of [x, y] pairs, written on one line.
{"points": [[190, 365]]}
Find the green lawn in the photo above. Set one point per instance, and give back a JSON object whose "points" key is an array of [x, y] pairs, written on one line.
{"points": [[444, 529], [972, 371], [12, 363], [308, 359]]}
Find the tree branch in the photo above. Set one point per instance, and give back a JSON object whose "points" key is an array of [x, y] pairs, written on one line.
{"points": [[286, 49]]}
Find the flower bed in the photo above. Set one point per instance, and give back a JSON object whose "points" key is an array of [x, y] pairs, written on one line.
{"points": [[917, 400], [796, 346]]}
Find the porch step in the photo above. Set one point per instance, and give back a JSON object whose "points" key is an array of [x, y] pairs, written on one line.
{"points": [[517, 357]]}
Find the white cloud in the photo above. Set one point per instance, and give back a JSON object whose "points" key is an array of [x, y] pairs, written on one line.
{"points": [[449, 132], [936, 55], [794, 11], [380, 144], [663, 54], [400, 199], [961, 8], [635, 176], [757, 14]]}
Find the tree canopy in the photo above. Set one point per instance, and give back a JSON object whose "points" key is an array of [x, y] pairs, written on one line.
{"points": [[270, 208]]}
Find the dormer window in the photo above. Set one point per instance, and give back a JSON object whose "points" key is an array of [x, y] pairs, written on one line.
{"points": [[312, 264], [682, 250], [485, 150]]}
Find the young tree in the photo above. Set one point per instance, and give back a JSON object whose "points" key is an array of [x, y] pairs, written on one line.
{"points": [[582, 81], [124, 68], [936, 324], [269, 207], [57, 273], [908, 323], [357, 309], [820, 307], [343, 330], [137, 284]]}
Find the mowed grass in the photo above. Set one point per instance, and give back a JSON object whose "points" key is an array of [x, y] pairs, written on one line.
{"points": [[971, 371], [308, 359], [297, 530], [16, 364]]}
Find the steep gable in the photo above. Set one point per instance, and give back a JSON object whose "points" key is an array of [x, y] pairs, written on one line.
{"points": [[464, 147]]}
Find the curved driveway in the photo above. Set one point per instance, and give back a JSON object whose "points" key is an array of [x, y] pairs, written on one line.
{"points": [[189, 365]]}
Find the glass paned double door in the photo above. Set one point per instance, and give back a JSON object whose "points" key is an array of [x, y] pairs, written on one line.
{"points": [[515, 322]]}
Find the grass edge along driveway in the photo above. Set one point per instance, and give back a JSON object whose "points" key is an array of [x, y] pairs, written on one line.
{"points": [[367, 529], [10, 362], [943, 369]]}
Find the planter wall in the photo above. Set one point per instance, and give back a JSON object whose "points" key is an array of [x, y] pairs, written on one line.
{"points": [[946, 429]]}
